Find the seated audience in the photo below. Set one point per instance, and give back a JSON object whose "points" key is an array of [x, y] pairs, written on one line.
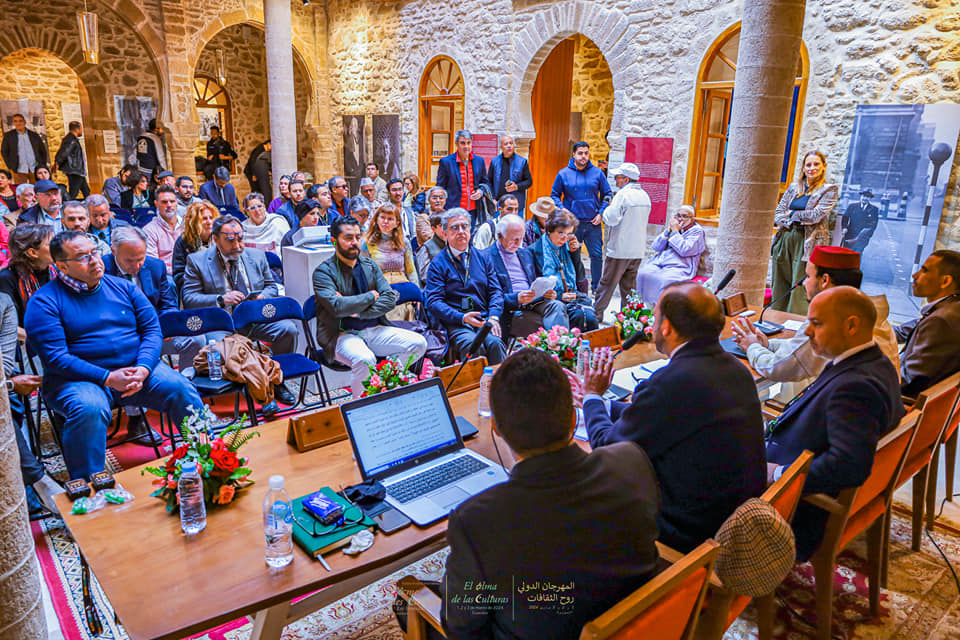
{"points": [[678, 249], [8, 194], [407, 215], [166, 178], [429, 250], [463, 290], [163, 231], [138, 195], [225, 275], [30, 266], [436, 200], [298, 193], [47, 209], [99, 340], [843, 414], [102, 222], [516, 270], [932, 349], [219, 191], [75, 218], [185, 196], [486, 233], [385, 244], [368, 192], [42, 172], [698, 418], [114, 186], [263, 231], [564, 517], [360, 211], [340, 192], [26, 198], [553, 257], [284, 186], [308, 213], [353, 298], [414, 197], [197, 235], [541, 210]]}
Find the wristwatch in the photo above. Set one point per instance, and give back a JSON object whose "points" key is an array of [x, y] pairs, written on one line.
{"points": [[220, 302]]}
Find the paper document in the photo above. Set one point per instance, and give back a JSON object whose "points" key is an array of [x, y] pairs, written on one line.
{"points": [[628, 378], [543, 284], [655, 365], [792, 325], [581, 432]]}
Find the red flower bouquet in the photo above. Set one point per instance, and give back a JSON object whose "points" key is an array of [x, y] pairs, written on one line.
{"points": [[635, 317], [388, 374], [560, 342]]}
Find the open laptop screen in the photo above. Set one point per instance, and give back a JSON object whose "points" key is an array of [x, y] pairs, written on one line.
{"points": [[398, 426]]}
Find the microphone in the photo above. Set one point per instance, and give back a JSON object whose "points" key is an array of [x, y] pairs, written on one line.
{"points": [[632, 341], [478, 341], [770, 328], [726, 280]]}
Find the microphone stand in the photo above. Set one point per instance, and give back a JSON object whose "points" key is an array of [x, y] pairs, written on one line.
{"points": [[772, 328], [457, 373]]}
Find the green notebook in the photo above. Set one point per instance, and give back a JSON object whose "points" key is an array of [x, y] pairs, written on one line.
{"points": [[321, 544]]}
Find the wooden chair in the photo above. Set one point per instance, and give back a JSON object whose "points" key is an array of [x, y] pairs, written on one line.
{"points": [[949, 440], [606, 337], [468, 379], [857, 509], [664, 608]]}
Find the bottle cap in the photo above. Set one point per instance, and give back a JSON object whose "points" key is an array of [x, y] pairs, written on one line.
{"points": [[211, 341], [276, 483], [585, 343], [487, 370], [188, 466]]}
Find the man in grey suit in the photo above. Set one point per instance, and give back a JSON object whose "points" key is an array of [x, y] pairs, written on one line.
{"points": [[225, 275]]}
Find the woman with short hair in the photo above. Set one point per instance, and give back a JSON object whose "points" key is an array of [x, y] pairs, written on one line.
{"points": [[262, 230], [552, 256]]}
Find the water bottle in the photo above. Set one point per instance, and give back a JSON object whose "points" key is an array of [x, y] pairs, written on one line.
{"points": [[278, 524], [583, 359], [213, 362], [193, 513], [483, 404]]}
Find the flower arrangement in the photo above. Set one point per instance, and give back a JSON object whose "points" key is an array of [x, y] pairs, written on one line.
{"points": [[223, 472], [635, 317], [388, 374], [560, 342]]}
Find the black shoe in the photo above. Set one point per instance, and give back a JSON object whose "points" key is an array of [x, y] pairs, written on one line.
{"points": [[283, 395], [139, 431], [269, 409]]}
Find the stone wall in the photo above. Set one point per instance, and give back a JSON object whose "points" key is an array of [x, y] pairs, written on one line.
{"points": [[592, 95]]}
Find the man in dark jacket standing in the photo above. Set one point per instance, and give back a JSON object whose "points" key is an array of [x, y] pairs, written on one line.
{"points": [[70, 159], [461, 173], [509, 173], [23, 150], [219, 153], [257, 170], [151, 149], [582, 188]]}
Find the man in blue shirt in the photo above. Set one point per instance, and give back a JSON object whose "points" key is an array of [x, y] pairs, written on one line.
{"points": [[99, 340], [582, 188]]}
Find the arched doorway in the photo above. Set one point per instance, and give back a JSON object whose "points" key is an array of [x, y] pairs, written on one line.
{"points": [[441, 114], [572, 99], [213, 107]]}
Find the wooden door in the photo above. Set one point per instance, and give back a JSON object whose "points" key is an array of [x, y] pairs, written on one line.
{"points": [[439, 138], [713, 151], [550, 103]]}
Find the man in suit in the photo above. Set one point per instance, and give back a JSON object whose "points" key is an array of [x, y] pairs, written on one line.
{"points": [[219, 191], [566, 517], [516, 271], [47, 209], [463, 290], [843, 414], [698, 418], [859, 222], [225, 275], [461, 173], [509, 173], [932, 350], [23, 150]]}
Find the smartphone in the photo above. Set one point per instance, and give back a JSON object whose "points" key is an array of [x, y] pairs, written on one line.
{"points": [[253, 294], [391, 520]]}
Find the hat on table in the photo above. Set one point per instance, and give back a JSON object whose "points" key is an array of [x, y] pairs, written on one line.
{"points": [[43, 186], [543, 207], [835, 258]]}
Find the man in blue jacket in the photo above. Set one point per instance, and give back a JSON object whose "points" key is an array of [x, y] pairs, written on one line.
{"points": [[461, 173], [463, 290], [581, 188], [99, 341], [219, 191]]}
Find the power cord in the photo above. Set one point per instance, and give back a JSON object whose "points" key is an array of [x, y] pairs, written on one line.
{"points": [[944, 556]]}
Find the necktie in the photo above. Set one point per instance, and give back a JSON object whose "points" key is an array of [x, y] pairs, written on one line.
{"points": [[236, 281]]}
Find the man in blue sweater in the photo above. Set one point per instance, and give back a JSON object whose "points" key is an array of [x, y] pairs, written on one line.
{"points": [[99, 340], [581, 188]]}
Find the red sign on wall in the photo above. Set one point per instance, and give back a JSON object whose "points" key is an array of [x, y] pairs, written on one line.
{"points": [[653, 157], [486, 145]]}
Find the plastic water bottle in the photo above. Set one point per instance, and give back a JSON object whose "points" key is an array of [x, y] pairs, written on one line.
{"points": [[278, 524], [483, 404], [193, 513], [583, 359], [214, 362]]}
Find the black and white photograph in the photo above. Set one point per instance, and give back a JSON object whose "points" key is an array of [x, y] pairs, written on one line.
{"points": [[386, 146], [354, 151], [133, 114]]}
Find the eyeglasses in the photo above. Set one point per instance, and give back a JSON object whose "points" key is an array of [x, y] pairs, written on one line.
{"points": [[231, 235], [684, 216], [464, 226], [340, 186], [84, 258], [351, 515], [565, 234]]}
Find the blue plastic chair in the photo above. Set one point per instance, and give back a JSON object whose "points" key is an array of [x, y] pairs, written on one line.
{"points": [[314, 351], [233, 211], [143, 216], [274, 262], [293, 365], [122, 214]]}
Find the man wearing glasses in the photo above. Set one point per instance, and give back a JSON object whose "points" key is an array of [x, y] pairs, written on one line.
{"points": [[225, 275], [340, 192], [99, 340], [678, 255]]}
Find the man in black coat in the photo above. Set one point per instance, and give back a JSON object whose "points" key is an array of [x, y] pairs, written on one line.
{"points": [[71, 161], [843, 414], [698, 418], [22, 162], [859, 222], [219, 153], [575, 528], [257, 170]]}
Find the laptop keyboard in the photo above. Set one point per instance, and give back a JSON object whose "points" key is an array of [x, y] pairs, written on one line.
{"points": [[434, 478]]}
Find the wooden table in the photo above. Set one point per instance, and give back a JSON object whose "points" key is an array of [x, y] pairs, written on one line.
{"points": [[164, 585]]}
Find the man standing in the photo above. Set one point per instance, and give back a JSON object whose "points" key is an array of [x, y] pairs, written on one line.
{"points": [[509, 173], [339, 191], [461, 173], [859, 222], [408, 217], [582, 188], [843, 414], [379, 185], [185, 196], [70, 159], [151, 149], [932, 350], [219, 191], [102, 222], [698, 418], [23, 150], [99, 341], [163, 231], [626, 219], [463, 290], [47, 209], [254, 172], [353, 297], [219, 153]]}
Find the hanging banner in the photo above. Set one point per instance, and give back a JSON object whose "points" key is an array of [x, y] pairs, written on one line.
{"points": [[653, 157]]}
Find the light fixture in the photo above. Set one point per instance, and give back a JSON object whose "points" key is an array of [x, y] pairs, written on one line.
{"points": [[221, 69], [306, 3], [89, 35]]}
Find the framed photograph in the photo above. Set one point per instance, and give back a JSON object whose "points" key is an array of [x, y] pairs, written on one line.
{"points": [[133, 114], [386, 146], [354, 151]]}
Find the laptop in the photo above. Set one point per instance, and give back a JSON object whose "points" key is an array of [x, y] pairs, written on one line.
{"points": [[408, 440]]}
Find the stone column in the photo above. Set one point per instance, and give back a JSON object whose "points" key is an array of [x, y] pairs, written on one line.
{"points": [[21, 616], [280, 88], [770, 38]]}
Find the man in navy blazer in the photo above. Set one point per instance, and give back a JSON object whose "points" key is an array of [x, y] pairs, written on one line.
{"points": [[843, 414], [463, 291], [516, 270], [449, 176], [219, 191], [698, 418], [133, 263]]}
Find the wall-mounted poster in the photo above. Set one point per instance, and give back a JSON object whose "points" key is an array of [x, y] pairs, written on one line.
{"points": [[386, 146], [888, 209], [31, 110], [209, 117], [487, 146], [354, 151], [653, 157], [72, 112], [133, 114]]}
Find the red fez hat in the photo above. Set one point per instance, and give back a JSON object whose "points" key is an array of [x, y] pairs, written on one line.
{"points": [[835, 258]]}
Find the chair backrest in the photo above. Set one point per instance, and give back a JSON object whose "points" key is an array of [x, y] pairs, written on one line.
{"points": [[606, 337], [309, 309], [233, 211], [122, 214], [468, 379], [666, 608], [143, 216], [407, 292], [193, 322], [784, 494], [936, 406], [266, 310], [273, 260], [887, 463]]}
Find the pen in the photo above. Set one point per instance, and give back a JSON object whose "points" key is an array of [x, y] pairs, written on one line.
{"points": [[324, 563]]}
